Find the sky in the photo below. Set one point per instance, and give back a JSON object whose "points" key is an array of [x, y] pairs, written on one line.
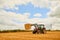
{"points": [[29, 8], [15, 13]]}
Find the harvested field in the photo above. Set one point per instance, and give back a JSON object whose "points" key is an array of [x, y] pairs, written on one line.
{"points": [[50, 35]]}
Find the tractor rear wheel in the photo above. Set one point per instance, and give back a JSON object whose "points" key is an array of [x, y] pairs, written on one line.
{"points": [[34, 32]]}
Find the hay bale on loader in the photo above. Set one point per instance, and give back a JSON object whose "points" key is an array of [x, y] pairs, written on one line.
{"points": [[27, 26]]}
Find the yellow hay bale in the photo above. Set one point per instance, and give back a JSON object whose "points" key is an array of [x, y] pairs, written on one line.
{"points": [[27, 26]]}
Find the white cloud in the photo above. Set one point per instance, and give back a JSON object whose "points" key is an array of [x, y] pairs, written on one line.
{"points": [[27, 14], [10, 19], [37, 15], [56, 15], [11, 3], [39, 3]]}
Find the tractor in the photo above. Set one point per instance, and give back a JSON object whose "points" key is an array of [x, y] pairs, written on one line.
{"points": [[39, 28]]}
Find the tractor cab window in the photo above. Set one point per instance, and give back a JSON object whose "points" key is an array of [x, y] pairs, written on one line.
{"points": [[41, 26]]}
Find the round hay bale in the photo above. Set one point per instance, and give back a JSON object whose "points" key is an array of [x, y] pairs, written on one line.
{"points": [[27, 26]]}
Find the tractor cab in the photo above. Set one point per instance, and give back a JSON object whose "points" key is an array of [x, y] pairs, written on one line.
{"points": [[41, 26]]}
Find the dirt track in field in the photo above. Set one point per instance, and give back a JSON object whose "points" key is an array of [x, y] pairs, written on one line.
{"points": [[29, 36]]}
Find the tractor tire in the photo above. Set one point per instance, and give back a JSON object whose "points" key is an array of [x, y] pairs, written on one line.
{"points": [[38, 31], [44, 31], [34, 32]]}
